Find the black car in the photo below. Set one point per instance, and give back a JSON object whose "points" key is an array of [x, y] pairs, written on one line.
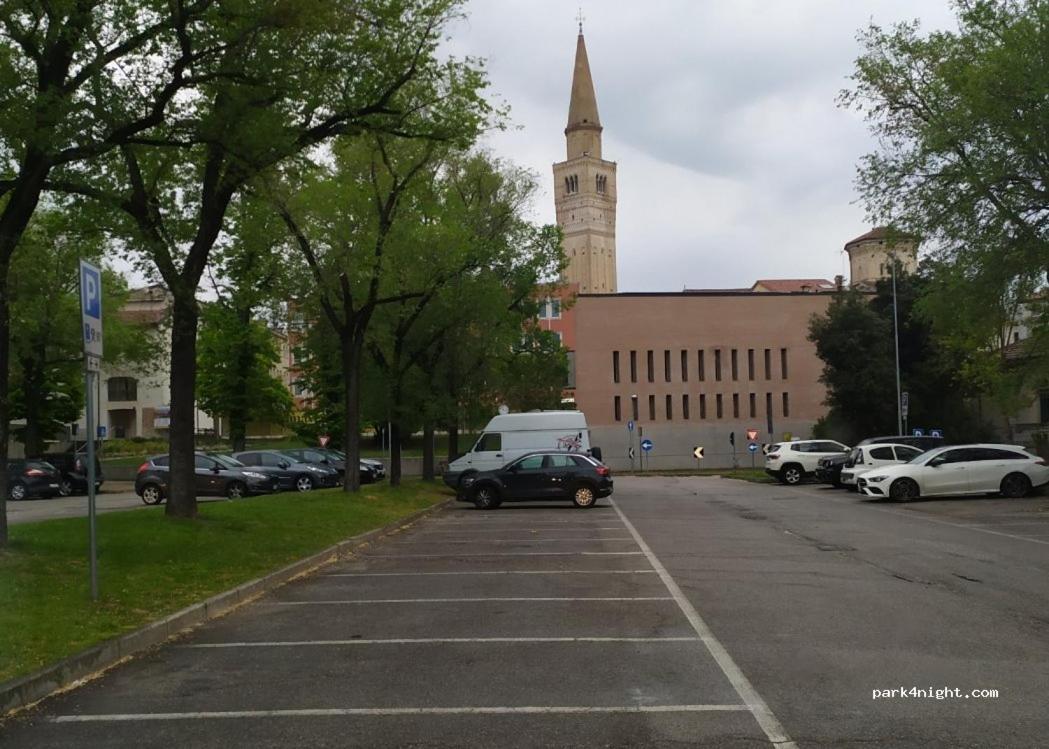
{"points": [[337, 460], [540, 475], [216, 476], [828, 470], [32, 478], [73, 469], [293, 473]]}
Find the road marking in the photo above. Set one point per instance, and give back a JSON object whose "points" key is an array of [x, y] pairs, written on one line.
{"points": [[920, 516], [523, 539], [509, 554], [430, 641], [491, 572], [762, 713], [393, 711], [463, 600], [423, 532]]}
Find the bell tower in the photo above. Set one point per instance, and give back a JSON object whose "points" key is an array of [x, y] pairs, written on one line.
{"points": [[585, 189]]}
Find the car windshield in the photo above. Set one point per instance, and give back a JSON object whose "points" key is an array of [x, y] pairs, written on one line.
{"points": [[922, 457], [225, 461]]}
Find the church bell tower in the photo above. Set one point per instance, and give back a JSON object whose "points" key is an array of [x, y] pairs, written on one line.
{"points": [[585, 189]]}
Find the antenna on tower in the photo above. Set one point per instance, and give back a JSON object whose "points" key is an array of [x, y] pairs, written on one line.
{"points": [[580, 18]]}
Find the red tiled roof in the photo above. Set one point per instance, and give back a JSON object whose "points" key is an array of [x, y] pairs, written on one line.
{"points": [[879, 232], [788, 285]]}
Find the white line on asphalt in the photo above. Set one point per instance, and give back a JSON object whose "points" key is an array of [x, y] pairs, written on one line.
{"points": [[762, 713], [491, 572], [431, 641], [387, 711], [509, 554], [347, 602], [418, 540], [423, 531], [919, 516]]}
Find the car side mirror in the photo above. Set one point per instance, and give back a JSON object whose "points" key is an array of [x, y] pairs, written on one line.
{"points": [[215, 469], [513, 469], [936, 462], [285, 464]]}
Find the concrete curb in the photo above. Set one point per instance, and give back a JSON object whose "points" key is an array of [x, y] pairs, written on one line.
{"points": [[24, 691]]}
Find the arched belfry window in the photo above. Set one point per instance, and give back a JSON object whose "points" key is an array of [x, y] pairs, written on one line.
{"points": [[602, 183]]}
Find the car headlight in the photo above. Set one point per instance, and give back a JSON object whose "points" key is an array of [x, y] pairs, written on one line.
{"points": [[254, 475], [315, 469], [875, 479]]}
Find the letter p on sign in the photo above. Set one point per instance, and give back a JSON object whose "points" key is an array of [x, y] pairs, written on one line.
{"points": [[91, 308]]}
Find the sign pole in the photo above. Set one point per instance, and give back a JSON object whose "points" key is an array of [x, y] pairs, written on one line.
{"points": [[91, 327]]}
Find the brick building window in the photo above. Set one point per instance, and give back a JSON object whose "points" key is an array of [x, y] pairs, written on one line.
{"points": [[666, 365], [684, 406], [717, 364], [735, 405], [735, 366], [122, 389], [615, 366], [702, 406], [783, 363], [617, 409], [684, 366], [702, 370], [768, 364], [633, 366], [720, 410], [651, 366], [786, 405], [753, 406], [750, 363], [633, 407], [768, 406], [651, 408], [670, 407]]}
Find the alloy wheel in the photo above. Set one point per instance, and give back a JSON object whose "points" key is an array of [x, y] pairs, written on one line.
{"points": [[584, 496]]}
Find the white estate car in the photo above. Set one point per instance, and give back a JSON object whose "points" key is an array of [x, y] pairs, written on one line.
{"points": [[959, 469], [790, 462], [864, 458]]}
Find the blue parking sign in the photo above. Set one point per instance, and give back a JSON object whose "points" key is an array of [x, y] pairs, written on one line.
{"points": [[917, 433], [91, 308]]}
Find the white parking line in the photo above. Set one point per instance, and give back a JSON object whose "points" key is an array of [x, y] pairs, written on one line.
{"points": [[349, 602], [491, 572], [762, 713], [511, 540], [508, 554], [430, 641], [387, 711], [423, 531]]}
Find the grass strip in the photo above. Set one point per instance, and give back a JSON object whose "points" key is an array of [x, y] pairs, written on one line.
{"points": [[151, 566]]}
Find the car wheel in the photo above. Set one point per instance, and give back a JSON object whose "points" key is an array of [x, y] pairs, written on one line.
{"points": [[464, 475], [303, 484], [151, 494], [584, 496], [903, 490], [18, 491], [486, 498], [65, 487], [236, 490], [791, 474], [1016, 485]]}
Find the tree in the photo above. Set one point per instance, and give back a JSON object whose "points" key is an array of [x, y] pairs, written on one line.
{"points": [[961, 118], [77, 80], [291, 77]]}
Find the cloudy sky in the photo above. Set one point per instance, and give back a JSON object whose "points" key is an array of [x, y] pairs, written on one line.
{"points": [[734, 161]]}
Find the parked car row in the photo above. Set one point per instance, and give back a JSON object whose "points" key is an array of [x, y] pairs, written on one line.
{"points": [[907, 467], [253, 472], [51, 475]]}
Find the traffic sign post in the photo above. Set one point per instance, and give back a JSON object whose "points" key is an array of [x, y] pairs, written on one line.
{"points": [[753, 449], [697, 451], [91, 327], [905, 403], [917, 433], [936, 433]]}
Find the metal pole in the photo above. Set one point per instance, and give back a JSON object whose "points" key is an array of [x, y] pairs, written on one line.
{"points": [[91, 430], [896, 337]]}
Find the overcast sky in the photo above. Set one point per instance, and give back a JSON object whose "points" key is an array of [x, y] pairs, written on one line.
{"points": [[734, 161]]}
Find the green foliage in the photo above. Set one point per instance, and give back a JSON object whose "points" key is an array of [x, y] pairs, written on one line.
{"points": [[961, 118], [237, 356]]}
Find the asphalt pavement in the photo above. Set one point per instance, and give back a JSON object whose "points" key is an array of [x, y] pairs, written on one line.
{"points": [[691, 612]]}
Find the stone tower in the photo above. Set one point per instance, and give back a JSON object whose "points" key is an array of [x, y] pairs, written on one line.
{"points": [[870, 256], [585, 190]]}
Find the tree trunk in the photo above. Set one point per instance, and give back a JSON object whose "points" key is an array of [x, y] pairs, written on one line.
{"points": [[5, 409], [182, 489], [351, 346], [428, 467], [453, 442], [395, 453]]}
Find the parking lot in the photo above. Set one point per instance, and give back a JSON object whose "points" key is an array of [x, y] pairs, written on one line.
{"points": [[691, 612]]}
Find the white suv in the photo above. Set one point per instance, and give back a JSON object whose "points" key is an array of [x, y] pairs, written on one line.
{"points": [[790, 462]]}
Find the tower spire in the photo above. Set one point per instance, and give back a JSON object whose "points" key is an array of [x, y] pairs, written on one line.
{"points": [[584, 123]]}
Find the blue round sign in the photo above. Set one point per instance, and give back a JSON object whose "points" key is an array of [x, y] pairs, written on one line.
{"points": [[646, 444], [753, 447]]}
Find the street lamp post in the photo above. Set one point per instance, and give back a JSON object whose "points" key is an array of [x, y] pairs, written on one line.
{"points": [[896, 339]]}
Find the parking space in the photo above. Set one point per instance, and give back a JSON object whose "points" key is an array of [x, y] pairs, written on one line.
{"points": [[538, 625]]}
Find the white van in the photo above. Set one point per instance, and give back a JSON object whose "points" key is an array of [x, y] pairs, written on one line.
{"points": [[509, 436]]}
